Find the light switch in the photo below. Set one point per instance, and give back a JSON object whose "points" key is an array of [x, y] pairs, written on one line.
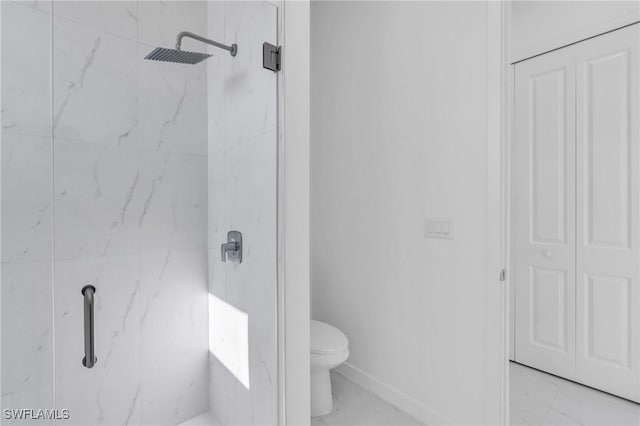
{"points": [[438, 227]]}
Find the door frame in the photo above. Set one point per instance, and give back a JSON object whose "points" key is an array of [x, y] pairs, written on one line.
{"points": [[293, 213], [502, 144], [293, 300], [499, 110]]}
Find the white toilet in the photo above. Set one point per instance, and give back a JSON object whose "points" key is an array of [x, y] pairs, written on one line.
{"points": [[329, 348]]}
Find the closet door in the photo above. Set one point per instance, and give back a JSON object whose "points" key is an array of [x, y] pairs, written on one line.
{"points": [[608, 255], [544, 212]]}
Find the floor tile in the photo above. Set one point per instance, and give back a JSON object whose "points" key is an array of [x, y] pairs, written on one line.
{"points": [[204, 419], [355, 406], [538, 398]]}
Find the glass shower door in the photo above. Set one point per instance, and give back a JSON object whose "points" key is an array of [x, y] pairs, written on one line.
{"points": [[243, 149], [126, 175], [104, 183], [27, 370]]}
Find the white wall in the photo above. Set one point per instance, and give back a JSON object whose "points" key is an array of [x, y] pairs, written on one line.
{"points": [[399, 132], [539, 26], [104, 179]]}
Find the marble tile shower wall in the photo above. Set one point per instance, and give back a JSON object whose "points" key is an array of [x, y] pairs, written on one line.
{"points": [[242, 195], [104, 181]]}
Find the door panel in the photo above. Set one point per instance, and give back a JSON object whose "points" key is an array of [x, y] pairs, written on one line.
{"points": [[547, 161], [608, 256], [548, 291], [607, 319], [544, 212], [605, 82]]}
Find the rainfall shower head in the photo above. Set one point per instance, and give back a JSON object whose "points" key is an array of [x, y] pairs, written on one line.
{"points": [[180, 56], [177, 56]]}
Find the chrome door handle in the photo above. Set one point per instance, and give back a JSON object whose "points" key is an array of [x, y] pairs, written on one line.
{"points": [[89, 360], [232, 249]]}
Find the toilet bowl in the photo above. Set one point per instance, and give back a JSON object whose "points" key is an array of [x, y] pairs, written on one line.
{"points": [[329, 348]]}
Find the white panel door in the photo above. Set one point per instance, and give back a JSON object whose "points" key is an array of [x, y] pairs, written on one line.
{"points": [[608, 256], [544, 212]]}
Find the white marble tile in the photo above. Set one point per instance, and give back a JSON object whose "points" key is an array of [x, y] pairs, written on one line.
{"points": [[26, 71], [230, 399], [250, 94], [204, 419], [588, 406], [109, 392], [242, 191], [117, 313], [531, 395], [95, 197], [554, 418], [173, 193], [538, 398], [26, 284], [172, 133], [216, 74], [355, 406], [116, 17], [173, 97], [94, 85], [161, 21], [173, 106], [41, 5], [174, 335], [35, 397], [27, 171], [102, 396], [217, 192], [27, 334], [124, 174]]}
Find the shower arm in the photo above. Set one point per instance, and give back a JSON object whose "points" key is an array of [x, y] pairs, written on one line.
{"points": [[233, 49]]}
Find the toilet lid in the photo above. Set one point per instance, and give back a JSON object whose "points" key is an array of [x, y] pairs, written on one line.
{"points": [[326, 338]]}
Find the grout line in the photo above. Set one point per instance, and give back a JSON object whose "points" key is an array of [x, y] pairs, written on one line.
{"points": [[550, 407]]}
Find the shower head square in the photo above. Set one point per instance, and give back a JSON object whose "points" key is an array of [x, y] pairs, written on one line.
{"points": [[176, 56]]}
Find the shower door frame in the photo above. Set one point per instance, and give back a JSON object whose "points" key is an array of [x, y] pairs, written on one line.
{"points": [[293, 240]]}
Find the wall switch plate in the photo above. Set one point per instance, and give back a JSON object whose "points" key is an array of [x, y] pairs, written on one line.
{"points": [[438, 227]]}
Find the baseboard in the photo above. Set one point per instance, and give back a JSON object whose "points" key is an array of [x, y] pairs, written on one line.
{"points": [[393, 396]]}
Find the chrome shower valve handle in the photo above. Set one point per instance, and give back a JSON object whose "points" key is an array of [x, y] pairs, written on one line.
{"points": [[232, 249], [229, 249]]}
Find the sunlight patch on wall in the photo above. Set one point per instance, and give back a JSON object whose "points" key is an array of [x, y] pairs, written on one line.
{"points": [[229, 338]]}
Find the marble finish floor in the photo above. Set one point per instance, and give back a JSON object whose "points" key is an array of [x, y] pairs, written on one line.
{"points": [[538, 398], [204, 419], [355, 406]]}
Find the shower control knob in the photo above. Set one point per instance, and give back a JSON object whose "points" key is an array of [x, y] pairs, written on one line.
{"points": [[232, 249], [547, 254]]}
